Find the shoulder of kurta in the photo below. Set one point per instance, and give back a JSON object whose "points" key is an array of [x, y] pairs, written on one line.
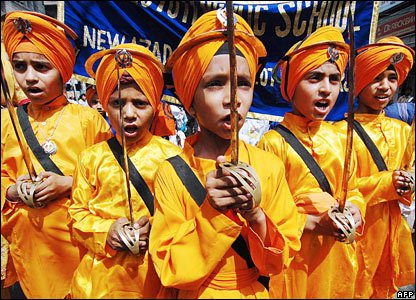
{"points": [[340, 124], [397, 122], [267, 161], [94, 150], [167, 145], [87, 115], [270, 137]]}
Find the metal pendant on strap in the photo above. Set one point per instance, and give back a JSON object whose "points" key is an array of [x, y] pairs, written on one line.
{"points": [[49, 147]]}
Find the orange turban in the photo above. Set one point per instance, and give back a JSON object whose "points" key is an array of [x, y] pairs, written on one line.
{"points": [[374, 59], [91, 91], [196, 49], [30, 31], [324, 44], [145, 70]]}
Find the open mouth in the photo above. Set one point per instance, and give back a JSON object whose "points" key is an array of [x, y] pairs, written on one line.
{"points": [[322, 104], [130, 129], [382, 97], [34, 90]]}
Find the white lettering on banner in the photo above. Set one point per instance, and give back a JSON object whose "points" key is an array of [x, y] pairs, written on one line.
{"points": [[318, 18], [322, 13], [100, 39]]}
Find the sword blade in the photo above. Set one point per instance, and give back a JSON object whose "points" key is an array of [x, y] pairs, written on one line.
{"points": [[409, 150], [17, 130], [123, 144], [350, 119], [233, 85]]}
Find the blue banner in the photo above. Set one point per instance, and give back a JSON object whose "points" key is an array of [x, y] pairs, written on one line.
{"points": [[160, 25]]}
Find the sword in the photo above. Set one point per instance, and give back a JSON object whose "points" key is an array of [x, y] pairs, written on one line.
{"points": [[26, 197], [339, 213], [124, 59], [350, 119], [244, 173]]}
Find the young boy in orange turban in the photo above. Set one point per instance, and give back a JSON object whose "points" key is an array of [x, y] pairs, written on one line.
{"points": [[99, 204], [385, 251], [325, 267], [197, 239], [40, 243]]}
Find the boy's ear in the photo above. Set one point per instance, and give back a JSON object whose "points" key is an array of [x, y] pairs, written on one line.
{"points": [[192, 111]]}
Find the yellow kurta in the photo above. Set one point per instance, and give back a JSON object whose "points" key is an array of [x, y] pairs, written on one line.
{"points": [[323, 268], [191, 245], [385, 250], [40, 242], [99, 198]]}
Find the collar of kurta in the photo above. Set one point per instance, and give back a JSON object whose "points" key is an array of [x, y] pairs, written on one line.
{"points": [[59, 101], [301, 122], [363, 117], [137, 144], [197, 161]]}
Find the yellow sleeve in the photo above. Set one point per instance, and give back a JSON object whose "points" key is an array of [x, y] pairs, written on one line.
{"points": [[281, 218], [186, 241], [88, 228]]}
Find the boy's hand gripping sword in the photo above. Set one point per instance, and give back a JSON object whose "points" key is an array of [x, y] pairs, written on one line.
{"points": [[124, 59], [339, 213], [242, 171], [21, 187], [408, 158]]}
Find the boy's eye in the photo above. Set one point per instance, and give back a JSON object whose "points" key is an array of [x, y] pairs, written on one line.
{"points": [[141, 103], [19, 66], [214, 83], [335, 78], [244, 83]]}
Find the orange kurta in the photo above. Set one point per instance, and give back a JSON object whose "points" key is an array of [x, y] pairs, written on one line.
{"points": [[323, 268], [40, 241], [385, 250], [191, 245], [99, 199]]}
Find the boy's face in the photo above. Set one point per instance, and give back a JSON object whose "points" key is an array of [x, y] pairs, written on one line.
{"points": [[317, 91], [96, 104], [212, 96], [376, 95], [38, 78], [137, 112]]}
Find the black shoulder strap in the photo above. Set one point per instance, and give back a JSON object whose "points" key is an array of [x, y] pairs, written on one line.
{"points": [[189, 179], [33, 142], [198, 193], [306, 156], [135, 177], [375, 153]]}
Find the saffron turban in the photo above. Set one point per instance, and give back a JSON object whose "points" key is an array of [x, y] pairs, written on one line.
{"points": [[374, 59], [200, 43], [324, 44], [144, 68], [35, 32], [91, 91], [146, 71]]}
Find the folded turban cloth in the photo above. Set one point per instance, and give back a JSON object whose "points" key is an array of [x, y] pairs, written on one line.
{"points": [[374, 59], [189, 67], [34, 32], [312, 57], [91, 91], [146, 71]]}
